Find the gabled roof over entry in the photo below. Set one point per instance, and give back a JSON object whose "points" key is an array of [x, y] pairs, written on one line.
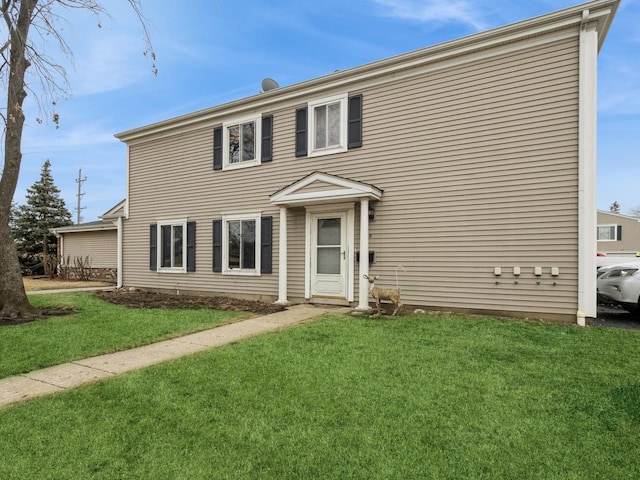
{"points": [[319, 187]]}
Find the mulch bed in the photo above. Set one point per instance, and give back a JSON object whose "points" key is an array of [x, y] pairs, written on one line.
{"points": [[144, 299]]}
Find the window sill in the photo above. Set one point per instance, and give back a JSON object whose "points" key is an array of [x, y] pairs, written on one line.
{"points": [[172, 270], [327, 151], [242, 273]]}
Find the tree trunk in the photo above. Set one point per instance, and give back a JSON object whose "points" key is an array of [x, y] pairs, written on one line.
{"points": [[13, 298]]}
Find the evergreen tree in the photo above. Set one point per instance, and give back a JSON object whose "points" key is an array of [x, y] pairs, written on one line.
{"points": [[615, 207], [33, 223]]}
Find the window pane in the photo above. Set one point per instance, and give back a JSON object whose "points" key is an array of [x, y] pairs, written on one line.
{"points": [[321, 127], [606, 233], [234, 244], [165, 255], [248, 141], [333, 125], [329, 260], [249, 244], [177, 246], [234, 144], [329, 231]]}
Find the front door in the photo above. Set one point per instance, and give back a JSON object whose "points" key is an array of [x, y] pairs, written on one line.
{"points": [[329, 255]]}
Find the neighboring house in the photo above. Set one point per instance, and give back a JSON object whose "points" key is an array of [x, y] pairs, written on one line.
{"points": [[470, 164], [618, 234], [96, 242]]}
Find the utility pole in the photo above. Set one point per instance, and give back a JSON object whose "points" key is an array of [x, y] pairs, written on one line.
{"points": [[80, 194]]}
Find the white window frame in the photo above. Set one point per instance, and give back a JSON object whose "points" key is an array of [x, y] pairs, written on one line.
{"points": [[257, 120], [312, 105], [172, 223], [615, 233], [225, 244]]}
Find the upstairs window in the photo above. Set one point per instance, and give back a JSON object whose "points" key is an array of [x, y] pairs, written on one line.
{"points": [[243, 142], [329, 125]]}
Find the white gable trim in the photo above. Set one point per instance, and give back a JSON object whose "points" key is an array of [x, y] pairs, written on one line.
{"points": [[348, 190]]}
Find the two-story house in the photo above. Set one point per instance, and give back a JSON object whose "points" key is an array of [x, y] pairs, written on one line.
{"points": [[467, 168]]}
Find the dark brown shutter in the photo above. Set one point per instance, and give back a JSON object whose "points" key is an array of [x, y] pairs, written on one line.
{"points": [[619, 233], [266, 152], [217, 245], [266, 252], [301, 132], [354, 132], [153, 246], [217, 148], [191, 246]]}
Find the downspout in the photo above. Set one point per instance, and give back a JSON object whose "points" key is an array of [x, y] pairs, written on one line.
{"points": [[60, 239], [587, 131], [119, 240], [119, 253]]}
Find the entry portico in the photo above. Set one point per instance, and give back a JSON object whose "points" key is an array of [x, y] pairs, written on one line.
{"points": [[330, 203]]}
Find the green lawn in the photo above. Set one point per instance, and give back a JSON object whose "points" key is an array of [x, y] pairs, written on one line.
{"points": [[408, 398], [98, 327]]}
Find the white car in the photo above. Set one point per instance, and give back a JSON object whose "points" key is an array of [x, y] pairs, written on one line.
{"points": [[620, 284]]}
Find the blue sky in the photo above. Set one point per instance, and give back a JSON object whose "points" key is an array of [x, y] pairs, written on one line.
{"points": [[213, 51]]}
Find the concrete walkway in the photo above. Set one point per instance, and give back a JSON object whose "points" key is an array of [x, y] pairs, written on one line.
{"points": [[80, 372]]}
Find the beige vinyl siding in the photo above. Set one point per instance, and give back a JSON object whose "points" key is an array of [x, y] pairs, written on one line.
{"points": [[630, 242], [479, 168], [489, 179], [99, 246]]}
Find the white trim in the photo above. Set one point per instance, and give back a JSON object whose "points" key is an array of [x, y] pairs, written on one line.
{"points": [[99, 226], [311, 125], [128, 183], [172, 223], [119, 255], [363, 293], [282, 259], [61, 240], [225, 244], [257, 121], [350, 190], [587, 131]]}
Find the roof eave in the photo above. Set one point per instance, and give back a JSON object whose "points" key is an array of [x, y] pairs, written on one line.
{"points": [[601, 11]]}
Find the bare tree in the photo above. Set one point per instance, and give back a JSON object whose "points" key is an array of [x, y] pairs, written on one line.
{"points": [[635, 212], [17, 54]]}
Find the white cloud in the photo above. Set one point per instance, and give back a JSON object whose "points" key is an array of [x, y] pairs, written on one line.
{"points": [[110, 62], [437, 11]]}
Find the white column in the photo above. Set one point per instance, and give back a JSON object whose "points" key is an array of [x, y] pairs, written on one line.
{"points": [[363, 294], [587, 217], [282, 259]]}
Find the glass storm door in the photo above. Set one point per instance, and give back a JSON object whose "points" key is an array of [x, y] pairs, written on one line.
{"points": [[328, 255]]}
